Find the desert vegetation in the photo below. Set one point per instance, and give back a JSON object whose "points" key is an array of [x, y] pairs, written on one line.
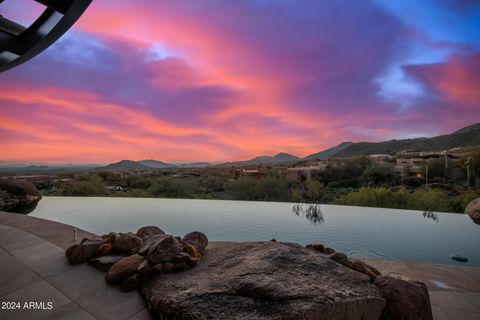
{"points": [[352, 181]]}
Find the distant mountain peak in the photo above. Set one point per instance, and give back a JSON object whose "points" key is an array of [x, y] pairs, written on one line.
{"points": [[125, 165], [154, 164], [285, 155]]}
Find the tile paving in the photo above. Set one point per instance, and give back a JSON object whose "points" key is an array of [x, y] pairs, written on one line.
{"points": [[33, 268]]}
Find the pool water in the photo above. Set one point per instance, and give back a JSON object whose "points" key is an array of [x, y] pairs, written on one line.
{"points": [[359, 231]]}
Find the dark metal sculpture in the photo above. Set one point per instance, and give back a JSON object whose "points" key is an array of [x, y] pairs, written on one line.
{"points": [[19, 44]]}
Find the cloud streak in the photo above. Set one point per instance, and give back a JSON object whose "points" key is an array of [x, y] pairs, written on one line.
{"points": [[227, 80]]}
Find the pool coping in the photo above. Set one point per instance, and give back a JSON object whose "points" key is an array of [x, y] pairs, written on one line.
{"points": [[38, 245]]}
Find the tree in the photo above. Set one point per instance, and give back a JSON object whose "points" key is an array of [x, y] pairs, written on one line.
{"points": [[313, 190]]}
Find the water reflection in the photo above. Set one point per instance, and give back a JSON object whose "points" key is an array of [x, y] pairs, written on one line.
{"points": [[311, 211], [430, 215]]}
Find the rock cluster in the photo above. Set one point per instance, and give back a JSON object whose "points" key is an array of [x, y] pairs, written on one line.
{"points": [[131, 258], [404, 299], [252, 280], [18, 196], [342, 258]]}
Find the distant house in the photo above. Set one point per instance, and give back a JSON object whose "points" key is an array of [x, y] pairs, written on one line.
{"points": [[380, 157], [255, 173], [407, 167], [306, 172], [412, 163]]}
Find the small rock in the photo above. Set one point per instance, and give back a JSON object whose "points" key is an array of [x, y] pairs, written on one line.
{"points": [[181, 257], [329, 250], [340, 258], [124, 268], [197, 239], [111, 237], [194, 261], [155, 238], [104, 249], [127, 242], [158, 268], [473, 210], [130, 284], [144, 251], [148, 231], [167, 267], [181, 266], [164, 250], [144, 267], [317, 247], [79, 253], [92, 240], [405, 300], [358, 265], [188, 248], [365, 268], [104, 263], [373, 270]]}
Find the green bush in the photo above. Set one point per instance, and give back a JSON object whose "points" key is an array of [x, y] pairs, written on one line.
{"points": [[264, 189], [379, 175], [169, 187]]}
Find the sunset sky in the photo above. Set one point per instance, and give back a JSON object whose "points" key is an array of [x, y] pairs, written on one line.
{"points": [[221, 80]]}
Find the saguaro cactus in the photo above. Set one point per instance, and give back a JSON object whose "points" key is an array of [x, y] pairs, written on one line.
{"points": [[470, 172]]}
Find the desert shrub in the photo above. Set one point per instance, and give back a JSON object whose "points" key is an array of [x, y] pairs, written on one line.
{"points": [[83, 189], [421, 199], [264, 189], [379, 175], [242, 189], [413, 182], [313, 190], [138, 182], [169, 187], [429, 200], [347, 183]]}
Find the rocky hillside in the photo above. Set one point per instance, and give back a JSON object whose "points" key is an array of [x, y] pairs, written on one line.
{"points": [[465, 137]]}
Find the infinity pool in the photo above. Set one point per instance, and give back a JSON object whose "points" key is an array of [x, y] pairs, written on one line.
{"points": [[374, 232]]}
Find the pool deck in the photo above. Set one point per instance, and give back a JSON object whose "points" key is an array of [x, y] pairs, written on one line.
{"points": [[33, 268]]}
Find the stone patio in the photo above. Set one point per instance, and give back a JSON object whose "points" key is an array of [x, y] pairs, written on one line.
{"points": [[33, 268]]}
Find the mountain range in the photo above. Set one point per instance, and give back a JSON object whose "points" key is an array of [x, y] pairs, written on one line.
{"points": [[465, 137]]}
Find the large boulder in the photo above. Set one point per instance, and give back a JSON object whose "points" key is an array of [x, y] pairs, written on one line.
{"points": [[127, 242], [18, 196], [406, 300], [124, 269], [197, 239], [473, 210], [263, 280]]}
